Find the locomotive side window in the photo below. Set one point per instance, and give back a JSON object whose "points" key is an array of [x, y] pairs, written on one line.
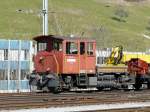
{"points": [[82, 48], [71, 48], [90, 48], [57, 45], [42, 46]]}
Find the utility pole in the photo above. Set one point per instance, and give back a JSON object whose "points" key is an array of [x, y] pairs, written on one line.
{"points": [[45, 17]]}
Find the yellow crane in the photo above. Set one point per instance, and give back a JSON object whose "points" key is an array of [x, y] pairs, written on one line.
{"points": [[115, 56]]}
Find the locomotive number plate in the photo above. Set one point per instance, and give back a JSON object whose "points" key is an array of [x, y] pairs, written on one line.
{"points": [[71, 60]]}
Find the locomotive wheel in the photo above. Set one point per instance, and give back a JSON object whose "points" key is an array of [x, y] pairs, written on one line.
{"points": [[138, 83], [53, 86], [33, 88], [148, 84], [33, 85], [138, 86], [55, 90], [100, 88]]}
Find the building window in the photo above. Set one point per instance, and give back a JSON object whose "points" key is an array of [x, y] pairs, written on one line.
{"points": [[3, 74], [13, 74], [24, 74], [71, 48], [26, 54], [5, 54]]}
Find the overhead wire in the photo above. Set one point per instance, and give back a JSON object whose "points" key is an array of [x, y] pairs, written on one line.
{"points": [[56, 20]]}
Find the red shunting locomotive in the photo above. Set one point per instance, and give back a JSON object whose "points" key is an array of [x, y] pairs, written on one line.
{"points": [[62, 63]]}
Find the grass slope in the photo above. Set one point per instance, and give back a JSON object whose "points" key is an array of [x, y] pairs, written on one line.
{"points": [[85, 18]]}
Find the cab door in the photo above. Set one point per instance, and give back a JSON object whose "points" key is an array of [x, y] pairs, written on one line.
{"points": [[87, 57], [71, 58], [90, 57]]}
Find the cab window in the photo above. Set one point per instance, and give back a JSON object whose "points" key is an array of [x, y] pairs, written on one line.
{"points": [[57, 45], [90, 50], [42, 46], [71, 48]]}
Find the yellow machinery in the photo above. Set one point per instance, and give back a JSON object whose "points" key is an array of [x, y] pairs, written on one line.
{"points": [[115, 56], [128, 56]]}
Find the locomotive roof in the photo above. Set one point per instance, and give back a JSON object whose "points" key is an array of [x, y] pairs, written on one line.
{"points": [[61, 38]]}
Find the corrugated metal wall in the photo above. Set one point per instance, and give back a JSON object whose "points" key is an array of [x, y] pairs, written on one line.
{"points": [[102, 55], [15, 64]]}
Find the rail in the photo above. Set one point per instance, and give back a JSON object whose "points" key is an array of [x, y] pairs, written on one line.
{"points": [[44, 100]]}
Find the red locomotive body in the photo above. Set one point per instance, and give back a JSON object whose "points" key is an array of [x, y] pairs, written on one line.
{"points": [[63, 62], [65, 55]]}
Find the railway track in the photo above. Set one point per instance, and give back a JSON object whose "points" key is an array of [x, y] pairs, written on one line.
{"points": [[44, 100]]}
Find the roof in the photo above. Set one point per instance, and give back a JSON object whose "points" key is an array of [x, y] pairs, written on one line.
{"points": [[45, 37]]}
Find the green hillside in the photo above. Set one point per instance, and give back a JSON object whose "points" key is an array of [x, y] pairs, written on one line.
{"points": [[110, 22]]}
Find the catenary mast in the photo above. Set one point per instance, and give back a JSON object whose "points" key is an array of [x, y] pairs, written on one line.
{"points": [[45, 17]]}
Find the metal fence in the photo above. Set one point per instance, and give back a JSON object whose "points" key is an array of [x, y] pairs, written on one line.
{"points": [[102, 55]]}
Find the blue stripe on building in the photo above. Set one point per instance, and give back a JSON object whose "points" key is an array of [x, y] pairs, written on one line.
{"points": [[25, 65], [4, 44], [14, 44]]}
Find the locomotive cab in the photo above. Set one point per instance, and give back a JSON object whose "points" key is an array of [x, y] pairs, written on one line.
{"points": [[72, 55]]}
